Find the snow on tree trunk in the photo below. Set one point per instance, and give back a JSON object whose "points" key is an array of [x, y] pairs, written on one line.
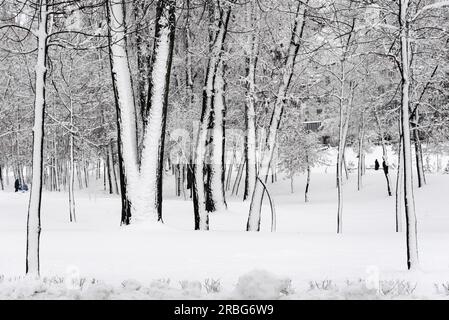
{"points": [[345, 114], [125, 105], [215, 196], [253, 223], [199, 198], [399, 183], [152, 160], [34, 206], [409, 201], [250, 112]]}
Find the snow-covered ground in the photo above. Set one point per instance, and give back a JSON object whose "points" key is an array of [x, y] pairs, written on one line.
{"points": [[171, 261]]}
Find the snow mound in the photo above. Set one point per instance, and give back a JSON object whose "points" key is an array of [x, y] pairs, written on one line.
{"points": [[261, 284]]}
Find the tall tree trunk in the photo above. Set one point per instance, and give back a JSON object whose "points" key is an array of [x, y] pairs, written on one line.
{"points": [[409, 202], [125, 106], [345, 114], [253, 223], [215, 193], [250, 112], [216, 49], [34, 206], [152, 160]]}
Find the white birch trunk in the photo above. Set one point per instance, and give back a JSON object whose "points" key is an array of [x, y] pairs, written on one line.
{"points": [[34, 206], [409, 202]]}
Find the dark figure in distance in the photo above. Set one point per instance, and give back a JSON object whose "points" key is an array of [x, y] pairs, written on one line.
{"points": [[376, 165], [25, 187], [385, 167], [17, 185]]}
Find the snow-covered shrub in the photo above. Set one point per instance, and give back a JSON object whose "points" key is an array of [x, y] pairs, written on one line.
{"points": [[131, 285], [160, 283], [97, 291], [442, 288], [321, 285], [396, 288], [261, 284], [212, 286], [191, 288], [159, 289]]}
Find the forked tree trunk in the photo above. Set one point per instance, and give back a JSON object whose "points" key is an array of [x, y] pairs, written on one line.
{"points": [[152, 160]]}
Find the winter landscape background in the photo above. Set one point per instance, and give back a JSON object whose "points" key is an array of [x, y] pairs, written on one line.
{"points": [[218, 149]]}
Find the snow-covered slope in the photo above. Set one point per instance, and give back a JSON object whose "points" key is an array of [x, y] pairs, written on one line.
{"points": [[305, 247]]}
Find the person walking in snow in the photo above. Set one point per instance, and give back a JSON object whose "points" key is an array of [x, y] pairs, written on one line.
{"points": [[17, 185], [376, 165]]}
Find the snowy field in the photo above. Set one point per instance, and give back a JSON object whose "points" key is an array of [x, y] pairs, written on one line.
{"points": [[171, 261]]}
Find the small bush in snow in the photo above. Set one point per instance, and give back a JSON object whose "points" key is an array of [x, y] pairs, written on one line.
{"points": [[191, 288], [321, 285], [442, 288], [396, 288], [260, 284], [131, 285], [160, 283], [212, 286]]}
